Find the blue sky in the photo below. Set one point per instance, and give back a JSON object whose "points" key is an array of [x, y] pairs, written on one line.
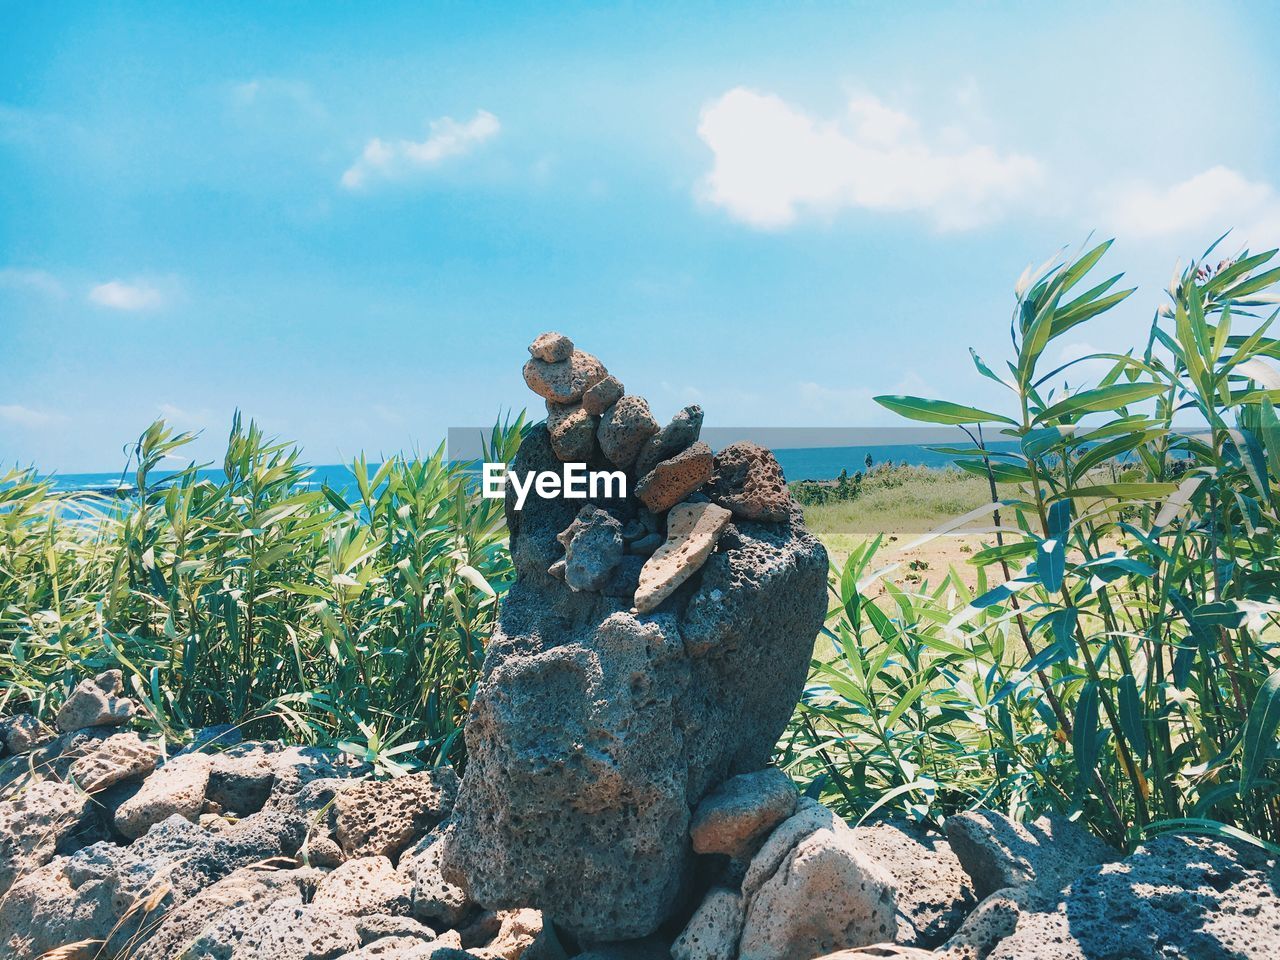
{"points": [[348, 220]]}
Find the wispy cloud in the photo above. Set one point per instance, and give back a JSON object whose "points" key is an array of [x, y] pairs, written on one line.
{"points": [[447, 138], [127, 295], [773, 163], [270, 93], [37, 281], [18, 415], [1210, 202]]}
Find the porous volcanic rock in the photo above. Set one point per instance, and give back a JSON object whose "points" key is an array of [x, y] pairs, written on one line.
{"points": [[573, 431], [593, 546], [22, 733], [99, 702], [551, 347], [624, 428], [678, 435], [742, 810], [749, 482], [603, 395], [671, 481], [383, 817], [178, 787], [564, 381], [600, 721]]}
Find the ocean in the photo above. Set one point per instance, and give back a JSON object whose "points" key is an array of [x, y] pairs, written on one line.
{"points": [[798, 463]]}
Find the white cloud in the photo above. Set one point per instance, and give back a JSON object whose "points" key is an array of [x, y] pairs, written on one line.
{"points": [[1211, 202], [39, 281], [122, 295], [774, 163], [447, 138], [275, 94], [20, 416]]}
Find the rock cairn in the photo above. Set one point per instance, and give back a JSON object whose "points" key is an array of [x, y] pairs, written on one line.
{"points": [[653, 646]]}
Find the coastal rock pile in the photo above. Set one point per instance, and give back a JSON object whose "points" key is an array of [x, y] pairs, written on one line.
{"points": [[653, 646]]}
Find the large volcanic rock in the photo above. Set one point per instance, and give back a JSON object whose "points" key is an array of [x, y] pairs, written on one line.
{"points": [[595, 730]]}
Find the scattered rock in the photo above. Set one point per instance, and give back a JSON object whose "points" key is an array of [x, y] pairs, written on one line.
{"points": [[22, 733], [178, 788], [673, 439], [117, 758], [517, 930], [1176, 896], [741, 811], [814, 895], [624, 428], [645, 546], [383, 817], [34, 823], [712, 933], [749, 482], [551, 347], [378, 925], [934, 894], [363, 886], [287, 930], [435, 900], [564, 381], [603, 395], [99, 702], [210, 925], [625, 578], [573, 432], [240, 782], [997, 853], [692, 532], [671, 481], [593, 547]]}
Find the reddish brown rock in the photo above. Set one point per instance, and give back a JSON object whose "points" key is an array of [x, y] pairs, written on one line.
{"points": [[676, 436], [671, 481], [573, 431], [748, 480]]}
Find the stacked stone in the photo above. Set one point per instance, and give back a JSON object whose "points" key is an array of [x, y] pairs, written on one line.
{"points": [[684, 496]]}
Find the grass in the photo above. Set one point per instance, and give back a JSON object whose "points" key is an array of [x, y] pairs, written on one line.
{"points": [[1118, 658]]}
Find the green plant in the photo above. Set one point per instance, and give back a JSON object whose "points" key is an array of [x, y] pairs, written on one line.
{"points": [[255, 598], [1125, 668]]}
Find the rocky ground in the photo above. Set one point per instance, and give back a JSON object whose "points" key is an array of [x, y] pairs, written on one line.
{"points": [[113, 847], [618, 803]]}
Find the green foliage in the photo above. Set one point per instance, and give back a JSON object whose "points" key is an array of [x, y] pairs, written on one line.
{"points": [[315, 614], [1127, 670]]}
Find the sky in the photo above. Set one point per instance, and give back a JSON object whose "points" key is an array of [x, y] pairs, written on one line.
{"points": [[348, 220]]}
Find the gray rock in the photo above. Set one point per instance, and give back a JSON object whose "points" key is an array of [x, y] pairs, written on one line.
{"points": [[364, 886], [99, 702], [436, 901], [177, 788], [749, 482], [240, 781], [645, 546], [736, 815], [624, 428], [677, 436], [322, 851], [603, 395], [564, 381], [1175, 897], [22, 733], [551, 347], [383, 817], [812, 889], [712, 933], [625, 579], [671, 481], [603, 728], [934, 893], [34, 823], [645, 948], [288, 930], [211, 924], [100, 764], [573, 432], [593, 546], [997, 853]]}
